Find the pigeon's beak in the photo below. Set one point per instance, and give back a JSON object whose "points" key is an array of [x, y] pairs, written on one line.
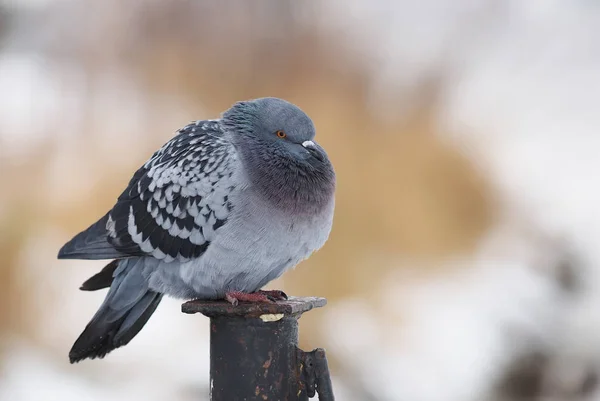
{"points": [[313, 149]]}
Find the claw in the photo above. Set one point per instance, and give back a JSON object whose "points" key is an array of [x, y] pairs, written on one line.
{"points": [[234, 297], [231, 299], [275, 295]]}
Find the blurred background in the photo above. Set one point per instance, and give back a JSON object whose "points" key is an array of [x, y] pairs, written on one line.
{"points": [[464, 262]]}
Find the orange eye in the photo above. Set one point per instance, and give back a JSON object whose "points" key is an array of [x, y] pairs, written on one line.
{"points": [[281, 134]]}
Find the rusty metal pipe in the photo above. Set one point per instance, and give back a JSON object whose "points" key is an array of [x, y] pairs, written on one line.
{"points": [[254, 354]]}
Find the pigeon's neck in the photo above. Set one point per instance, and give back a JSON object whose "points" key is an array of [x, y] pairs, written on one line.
{"points": [[302, 192], [292, 186]]}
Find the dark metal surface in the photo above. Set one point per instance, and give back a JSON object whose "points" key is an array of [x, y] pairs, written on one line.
{"points": [[254, 354], [315, 376], [253, 360], [292, 306]]}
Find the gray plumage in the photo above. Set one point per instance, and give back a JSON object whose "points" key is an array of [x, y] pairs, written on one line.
{"points": [[226, 205]]}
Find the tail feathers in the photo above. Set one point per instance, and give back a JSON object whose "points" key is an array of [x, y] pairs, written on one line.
{"points": [[102, 279], [136, 319], [124, 312], [91, 243], [103, 335]]}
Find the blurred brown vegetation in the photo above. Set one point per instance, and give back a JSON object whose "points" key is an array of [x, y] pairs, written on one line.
{"points": [[402, 193]]}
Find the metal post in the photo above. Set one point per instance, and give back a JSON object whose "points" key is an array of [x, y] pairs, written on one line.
{"points": [[254, 353]]}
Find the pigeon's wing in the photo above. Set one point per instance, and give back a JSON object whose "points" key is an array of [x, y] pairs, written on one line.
{"points": [[174, 204], [91, 243]]}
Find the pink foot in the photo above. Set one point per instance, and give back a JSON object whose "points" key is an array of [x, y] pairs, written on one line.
{"points": [[277, 295], [269, 297]]}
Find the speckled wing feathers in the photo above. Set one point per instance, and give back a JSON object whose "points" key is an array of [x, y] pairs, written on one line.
{"points": [[174, 204]]}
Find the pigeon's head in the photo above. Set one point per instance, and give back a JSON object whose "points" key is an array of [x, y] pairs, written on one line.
{"points": [[275, 140], [270, 127]]}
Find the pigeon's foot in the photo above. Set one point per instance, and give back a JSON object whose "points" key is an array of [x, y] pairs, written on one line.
{"points": [[277, 295], [271, 296]]}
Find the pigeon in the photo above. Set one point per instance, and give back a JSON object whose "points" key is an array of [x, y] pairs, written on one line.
{"points": [[222, 209]]}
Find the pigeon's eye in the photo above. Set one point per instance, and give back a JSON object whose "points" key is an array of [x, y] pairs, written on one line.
{"points": [[280, 134]]}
